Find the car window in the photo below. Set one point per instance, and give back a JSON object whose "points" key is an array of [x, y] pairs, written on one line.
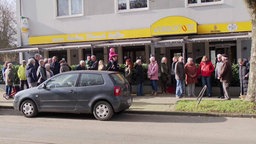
{"points": [[118, 79], [65, 80], [91, 79]]}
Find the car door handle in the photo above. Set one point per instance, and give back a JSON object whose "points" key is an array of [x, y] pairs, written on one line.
{"points": [[72, 91]]}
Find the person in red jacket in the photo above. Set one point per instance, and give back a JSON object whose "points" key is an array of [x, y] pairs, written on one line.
{"points": [[206, 69]]}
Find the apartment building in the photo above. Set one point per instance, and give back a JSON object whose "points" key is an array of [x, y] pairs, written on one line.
{"points": [[73, 29]]}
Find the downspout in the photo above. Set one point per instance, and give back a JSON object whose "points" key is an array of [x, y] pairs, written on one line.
{"points": [[20, 43]]}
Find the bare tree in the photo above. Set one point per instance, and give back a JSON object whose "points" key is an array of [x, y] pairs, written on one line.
{"points": [[251, 5], [7, 24]]}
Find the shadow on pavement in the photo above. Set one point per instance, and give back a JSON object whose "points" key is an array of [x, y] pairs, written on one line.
{"points": [[166, 118]]}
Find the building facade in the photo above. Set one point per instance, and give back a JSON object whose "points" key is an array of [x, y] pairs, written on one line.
{"points": [[73, 29]]}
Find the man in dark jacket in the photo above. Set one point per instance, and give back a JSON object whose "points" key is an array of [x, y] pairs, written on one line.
{"points": [[55, 65], [94, 62], [31, 73], [225, 75], [139, 77]]}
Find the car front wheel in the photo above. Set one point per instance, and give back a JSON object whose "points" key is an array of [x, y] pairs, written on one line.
{"points": [[28, 108], [102, 111]]}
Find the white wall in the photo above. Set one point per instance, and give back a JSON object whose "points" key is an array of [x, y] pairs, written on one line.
{"points": [[100, 16]]}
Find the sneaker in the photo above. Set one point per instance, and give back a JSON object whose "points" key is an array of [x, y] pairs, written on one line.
{"points": [[6, 97]]}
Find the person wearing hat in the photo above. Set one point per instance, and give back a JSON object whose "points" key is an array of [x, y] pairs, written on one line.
{"points": [[225, 75], [218, 66], [22, 75]]}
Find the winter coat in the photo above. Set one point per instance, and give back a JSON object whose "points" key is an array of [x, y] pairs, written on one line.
{"points": [[22, 72], [179, 71], [55, 67], [9, 76], [64, 67], [128, 74], [139, 72], [164, 74], [226, 72], [112, 66], [206, 69], [243, 71], [153, 71], [31, 73], [94, 65], [191, 73], [79, 67], [41, 74]]}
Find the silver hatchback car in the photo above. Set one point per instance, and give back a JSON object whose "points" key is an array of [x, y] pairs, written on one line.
{"points": [[101, 93]]}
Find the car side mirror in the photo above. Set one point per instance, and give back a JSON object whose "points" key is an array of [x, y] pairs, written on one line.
{"points": [[44, 86]]}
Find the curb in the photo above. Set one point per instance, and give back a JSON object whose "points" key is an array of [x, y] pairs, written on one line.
{"points": [[191, 114]]}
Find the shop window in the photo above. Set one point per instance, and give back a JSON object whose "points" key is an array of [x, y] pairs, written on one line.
{"points": [[203, 2], [131, 5], [66, 8]]}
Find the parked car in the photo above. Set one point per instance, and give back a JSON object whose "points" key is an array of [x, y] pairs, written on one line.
{"points": [[101, 93]]}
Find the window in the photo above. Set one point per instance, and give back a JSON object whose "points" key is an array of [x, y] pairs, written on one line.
{"points": [[203, 2], [91, 79], [69, 8], [65, 80], [131, 5]]}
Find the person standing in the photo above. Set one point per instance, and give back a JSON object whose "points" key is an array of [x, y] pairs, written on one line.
{"points": [[218, 66], [41, 72], [139, 73], [128, 70], [64, 67], [173, 80], [94, 62], [112, 64], [3, 69], [55, 65], [48, 70], [101, 66], [180, 77], [31, 73], [243, 76], [164, 76], [153, 74], [190, 77], [206, 69], [22, 75], [81, 66], [9, 80], [225, 76]]}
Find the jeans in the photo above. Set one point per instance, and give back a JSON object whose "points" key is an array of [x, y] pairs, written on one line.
{"points": [[180, 88], [8, 90], [154, 85], [206, 80], [140, 89], [191, 89]]}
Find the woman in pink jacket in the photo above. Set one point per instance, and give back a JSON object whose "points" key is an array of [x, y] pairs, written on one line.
{"points": [[206, 69], [153, 74]]}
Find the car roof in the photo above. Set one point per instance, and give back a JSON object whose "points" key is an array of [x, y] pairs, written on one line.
{"points": [[91, 71]]}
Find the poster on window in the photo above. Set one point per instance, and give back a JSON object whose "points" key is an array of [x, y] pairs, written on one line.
{"points": [[24, 30]]}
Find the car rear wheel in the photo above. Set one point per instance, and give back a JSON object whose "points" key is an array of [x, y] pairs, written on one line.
{"points": [[103, 111], [28, 108]]}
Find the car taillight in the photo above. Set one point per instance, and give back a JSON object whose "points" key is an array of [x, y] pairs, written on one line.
{"points": [[117, 91]]}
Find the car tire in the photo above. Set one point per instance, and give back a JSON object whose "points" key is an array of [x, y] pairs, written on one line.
{"points": [[103, 111], [28, 108]]}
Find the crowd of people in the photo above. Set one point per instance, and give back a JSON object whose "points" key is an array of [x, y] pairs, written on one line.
{"points": [[37, 69]]}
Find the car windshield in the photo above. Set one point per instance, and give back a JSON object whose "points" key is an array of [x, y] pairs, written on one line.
{"points": [[118, 79]]}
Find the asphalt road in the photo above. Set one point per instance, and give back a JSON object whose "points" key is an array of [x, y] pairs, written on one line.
{"points": [[51, 128]]}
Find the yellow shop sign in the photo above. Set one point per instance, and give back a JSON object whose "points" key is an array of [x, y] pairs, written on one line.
{"points": [[173, 25], [91, 36], [225, 27]]}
